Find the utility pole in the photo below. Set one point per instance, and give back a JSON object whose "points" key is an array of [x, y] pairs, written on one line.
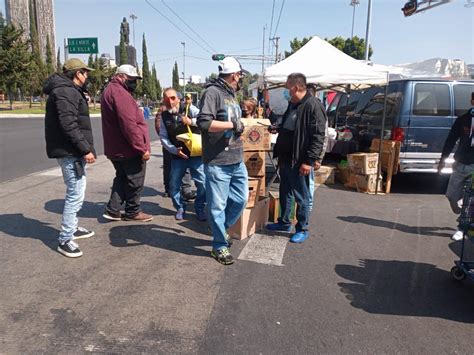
{"points": [[263, 48], [276, 39], [354, 3], [367, 31], [184, 67], [133, 17]]}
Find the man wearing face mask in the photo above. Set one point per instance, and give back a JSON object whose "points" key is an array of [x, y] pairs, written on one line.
{"points": [[226, 175], [68, 134], [299, 147], [126, 144]]}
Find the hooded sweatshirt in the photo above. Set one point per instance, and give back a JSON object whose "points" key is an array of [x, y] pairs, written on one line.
{"points": [[462, 130], [68, 129], [218, 103]]}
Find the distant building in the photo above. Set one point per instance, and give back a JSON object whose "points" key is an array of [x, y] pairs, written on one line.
{"points": [[18, 13], [195, 79], [107, 60], [131, 54]]}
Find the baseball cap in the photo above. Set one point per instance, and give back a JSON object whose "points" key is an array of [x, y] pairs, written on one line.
{"points": [[230, 65], [75, 64], [128, 70]]}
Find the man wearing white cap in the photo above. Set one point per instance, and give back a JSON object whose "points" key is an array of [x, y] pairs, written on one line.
{"points": [[226, 175], [126, 144]]}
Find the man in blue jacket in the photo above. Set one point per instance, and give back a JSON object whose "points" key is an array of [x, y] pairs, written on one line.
{"points": [[299, 147], [69, 139]]}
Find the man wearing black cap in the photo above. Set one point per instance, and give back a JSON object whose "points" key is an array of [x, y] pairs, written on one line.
{"points": [[69, 139], [222, 152]]}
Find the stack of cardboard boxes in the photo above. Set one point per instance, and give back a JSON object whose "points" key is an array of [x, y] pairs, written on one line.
{"points": [[363, 172], [256, 142]]}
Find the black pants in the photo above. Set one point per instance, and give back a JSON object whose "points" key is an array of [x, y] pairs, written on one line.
{"points": [[127, 186], [186, 185]]}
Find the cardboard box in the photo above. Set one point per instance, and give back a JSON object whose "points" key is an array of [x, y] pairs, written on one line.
{"points": [[256, 135], [324, 175], [274, 209], [251, 221], [261, 186], [255, 163], [363, 163], [342, 174], [367, 183], [253, 191]]}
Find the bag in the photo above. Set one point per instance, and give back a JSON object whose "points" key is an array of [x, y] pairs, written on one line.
{"points": [[191, 140]]}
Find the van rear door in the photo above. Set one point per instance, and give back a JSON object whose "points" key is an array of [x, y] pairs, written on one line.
{"points": [[430, 119]]}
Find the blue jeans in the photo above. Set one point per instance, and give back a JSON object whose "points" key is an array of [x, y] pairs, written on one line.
{"points": [[75, 193], [227, 193], [297, 187], [178, 169]]}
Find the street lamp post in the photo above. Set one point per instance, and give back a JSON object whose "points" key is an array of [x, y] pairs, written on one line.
{"points": [[184, 67], [354, 3], [367, 31], [133, 17]]}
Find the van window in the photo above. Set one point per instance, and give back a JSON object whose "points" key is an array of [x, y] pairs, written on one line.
{"points": [[431, 100], [346, 109], [331, 110], [462, 98]]}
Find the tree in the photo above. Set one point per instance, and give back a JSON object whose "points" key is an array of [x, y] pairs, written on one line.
{"points": [[211, 77], [59, 66], [37, 69], [49, 57], [15, 59], [156, 82], [147, 86], [95, 78], [175, 79], [354, 47], [123, 52]]}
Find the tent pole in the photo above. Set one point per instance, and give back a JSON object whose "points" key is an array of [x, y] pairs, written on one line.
{"points": [[382, 133]]}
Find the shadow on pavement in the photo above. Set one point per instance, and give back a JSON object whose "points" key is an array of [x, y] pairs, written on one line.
{"points": [[160, 237], [407, 288], [430, 231], [17, 225]]}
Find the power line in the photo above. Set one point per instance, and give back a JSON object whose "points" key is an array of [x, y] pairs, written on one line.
{"points": [[185, 23], [271, 27], [279, 17], [176, 26]]}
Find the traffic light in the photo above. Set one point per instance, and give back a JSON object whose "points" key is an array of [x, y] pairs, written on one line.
{"points": [[218, 57], [410, 8]]}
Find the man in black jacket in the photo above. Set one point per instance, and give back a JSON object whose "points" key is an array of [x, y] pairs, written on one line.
{"points": [[69, 139], [298, 148], [463, 167]]}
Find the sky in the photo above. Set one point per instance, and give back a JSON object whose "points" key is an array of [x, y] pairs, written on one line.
{"points": [[236, 27]]}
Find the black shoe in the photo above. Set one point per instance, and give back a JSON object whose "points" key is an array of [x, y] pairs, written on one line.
{"points": [[70, 249], [112, 216], [190, 196], [82, 233], [223, 256]]}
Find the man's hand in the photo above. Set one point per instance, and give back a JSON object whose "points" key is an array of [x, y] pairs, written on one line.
{"points": [[181, 154], [89, 158], [273, 129], [305, 169], [317, 165], [146, 156], [238, 126], [186, 120], [440, 166]]}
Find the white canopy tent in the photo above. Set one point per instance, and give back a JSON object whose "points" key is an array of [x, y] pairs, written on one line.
{"points": [[325, 66]]}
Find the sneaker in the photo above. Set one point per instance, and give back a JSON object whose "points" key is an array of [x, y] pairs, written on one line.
{"points": [[459, 235], [279, 227], [112, 216], [229, 240], [190, 196], [139, 217], [299, 237], [70, 249], [201, 216], [179, 215], [82, 233], [223, 256]]}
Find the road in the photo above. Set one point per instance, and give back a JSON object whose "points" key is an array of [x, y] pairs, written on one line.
{"points": [[372, 278], [23, 149]]}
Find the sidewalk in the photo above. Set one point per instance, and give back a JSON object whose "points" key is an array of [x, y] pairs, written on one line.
{"points": [[122, 294]]}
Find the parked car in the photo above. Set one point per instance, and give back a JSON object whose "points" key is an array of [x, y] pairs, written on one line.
{"points": [[419, 114]]}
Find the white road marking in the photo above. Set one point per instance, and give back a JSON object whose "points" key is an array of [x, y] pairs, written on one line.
{"points": [[265, 249], [50, 172]]}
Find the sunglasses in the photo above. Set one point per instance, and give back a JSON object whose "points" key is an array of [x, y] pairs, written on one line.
{"points": [[171, 98]]}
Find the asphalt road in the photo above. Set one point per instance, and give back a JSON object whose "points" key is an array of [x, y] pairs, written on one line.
{"points": [[23, 149], [373, 278]]}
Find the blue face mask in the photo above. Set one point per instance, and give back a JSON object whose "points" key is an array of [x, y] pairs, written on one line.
{"points": [[286, 94]]}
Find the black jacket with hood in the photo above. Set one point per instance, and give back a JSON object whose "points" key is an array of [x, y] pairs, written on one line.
{"points": [[309, 134], [68, 128]]}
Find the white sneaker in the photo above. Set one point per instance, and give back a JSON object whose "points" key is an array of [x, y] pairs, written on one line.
{"points": [[459, 235]]}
